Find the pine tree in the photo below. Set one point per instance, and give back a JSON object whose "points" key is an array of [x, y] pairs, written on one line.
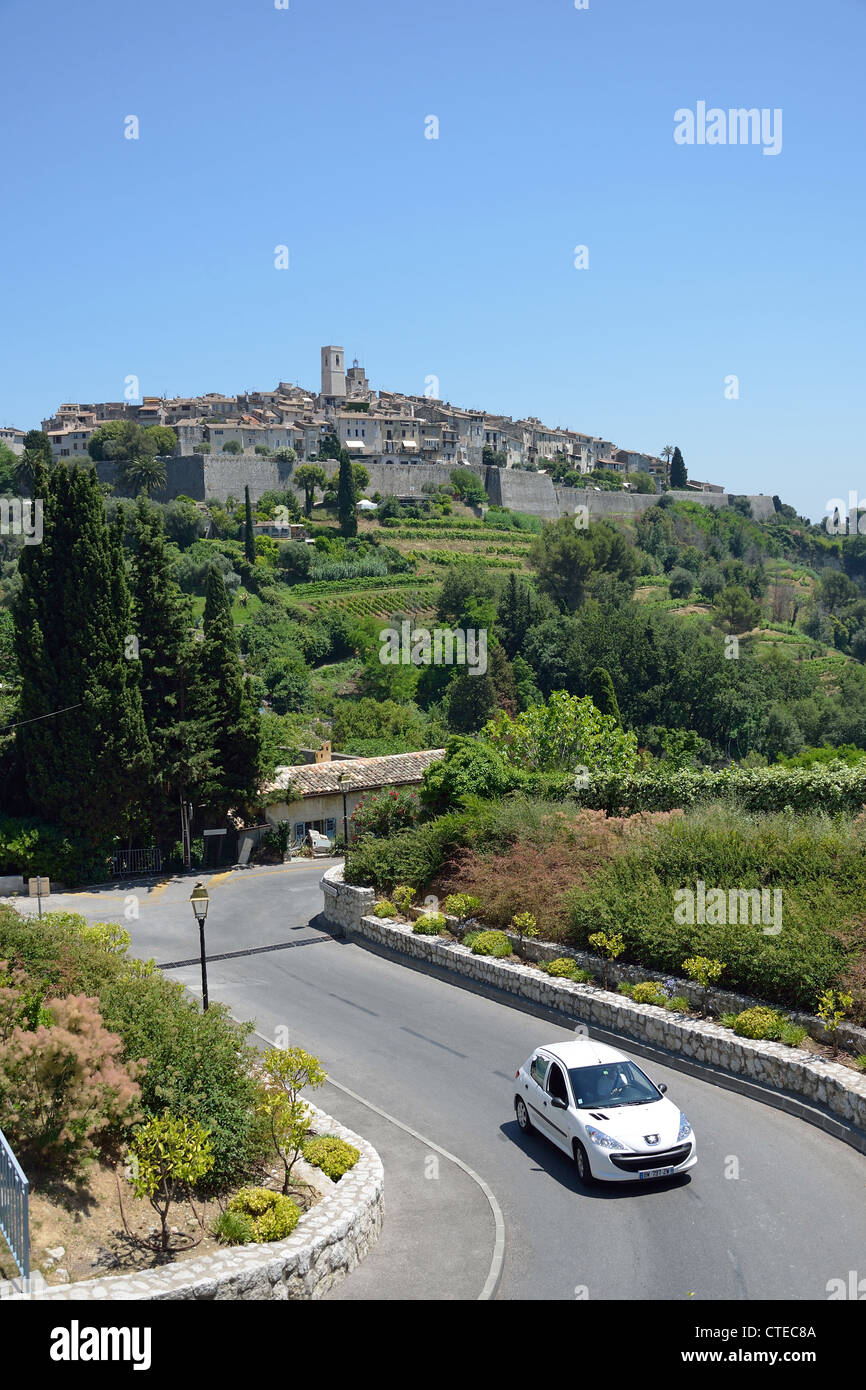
{"points": [[181, 735], [225, 696], [249, 534], [346, 509], [679, 476], [87, 766], [600, 689]]}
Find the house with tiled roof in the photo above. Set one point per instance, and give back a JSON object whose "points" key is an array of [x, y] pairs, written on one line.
{"points": [[321, 796]]}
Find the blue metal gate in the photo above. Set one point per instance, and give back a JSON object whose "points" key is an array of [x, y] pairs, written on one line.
{"points": [[14, 1207]]}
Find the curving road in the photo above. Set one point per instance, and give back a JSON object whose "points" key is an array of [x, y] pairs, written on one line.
{"points": [[424, 1069]]}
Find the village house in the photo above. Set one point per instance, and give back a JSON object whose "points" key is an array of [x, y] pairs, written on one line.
{"points": [[321, 796]]}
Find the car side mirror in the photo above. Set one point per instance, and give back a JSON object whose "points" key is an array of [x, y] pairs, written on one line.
{"points": [[661, 1087], [558, 1104]]}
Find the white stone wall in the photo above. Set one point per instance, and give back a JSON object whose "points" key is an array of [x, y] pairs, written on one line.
{"points": [[344, 906], [328, 1242]]}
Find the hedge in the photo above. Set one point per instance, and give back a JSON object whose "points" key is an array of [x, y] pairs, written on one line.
{"points": [[832, 789]]}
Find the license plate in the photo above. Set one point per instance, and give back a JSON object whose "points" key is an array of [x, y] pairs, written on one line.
{"points": [[656, 1173]]}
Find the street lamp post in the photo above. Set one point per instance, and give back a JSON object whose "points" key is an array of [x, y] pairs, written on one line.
{"points": [[200, 904], [343, 781]]}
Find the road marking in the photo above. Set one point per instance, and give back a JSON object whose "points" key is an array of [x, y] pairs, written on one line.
{"points": [[242, 877], [434, 1043], [498, 1256], [251, 951]]}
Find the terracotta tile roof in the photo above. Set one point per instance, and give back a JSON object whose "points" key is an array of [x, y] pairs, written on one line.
{"points": [[320, 779]]}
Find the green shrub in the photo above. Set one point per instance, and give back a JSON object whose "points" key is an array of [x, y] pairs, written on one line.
{"points": [[678, 1004], [402, 896], [792, 1034], [461, 905], [470, 936], [625, 988], [334, 1156], [272, 1215], [384, 909], [820, 862], [861, 1061], [199, 1066], [564, 968], [29, 846], [762, 789], [759, 1022], [648, 992], [728, 1020], [491, 943], [234, 1228], [430, 924]]}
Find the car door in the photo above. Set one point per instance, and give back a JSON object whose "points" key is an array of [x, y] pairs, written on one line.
{"points": [[556, 1119], [536, 1096]]}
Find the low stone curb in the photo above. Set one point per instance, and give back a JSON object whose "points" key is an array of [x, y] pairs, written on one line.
{"points": [[789, 1073], [329, 1241]]}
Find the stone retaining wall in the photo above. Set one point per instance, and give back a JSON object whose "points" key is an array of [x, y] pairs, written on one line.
{"points": [[829, 1085], [346, 905], [327, 1244]]}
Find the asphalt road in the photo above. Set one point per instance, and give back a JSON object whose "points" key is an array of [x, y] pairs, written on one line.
{"points": [[424, 1069]]}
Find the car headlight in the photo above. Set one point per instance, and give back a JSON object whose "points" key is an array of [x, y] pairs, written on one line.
{"points": [[685, 1128], [604, 1141]]}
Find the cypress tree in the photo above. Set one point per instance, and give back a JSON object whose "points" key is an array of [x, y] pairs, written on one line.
{"points": [[249, 534], [181, 735], [224, 696], [470, 702], [346, 508], [85, 767], [679, 477], [514, 614], [601, 691]]}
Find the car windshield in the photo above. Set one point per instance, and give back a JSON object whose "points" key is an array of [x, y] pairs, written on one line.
{"points": [[610, 1084]]}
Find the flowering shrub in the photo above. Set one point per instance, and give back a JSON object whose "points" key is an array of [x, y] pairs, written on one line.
{"points": [[63, 1084], [384, 813]]}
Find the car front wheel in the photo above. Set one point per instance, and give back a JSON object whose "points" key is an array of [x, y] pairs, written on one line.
{"points": [[523, 1119], [581, 1163]]}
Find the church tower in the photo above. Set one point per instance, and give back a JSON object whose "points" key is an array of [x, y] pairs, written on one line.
{"points": [[333, 373]]}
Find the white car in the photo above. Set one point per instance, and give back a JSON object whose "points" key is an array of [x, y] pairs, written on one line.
{"points": [[597, 1105]]}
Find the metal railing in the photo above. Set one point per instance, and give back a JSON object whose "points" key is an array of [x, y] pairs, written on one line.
{"points": [[14, 1208], [136, 861]]}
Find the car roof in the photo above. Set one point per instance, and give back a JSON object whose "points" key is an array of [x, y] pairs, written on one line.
{"points": [[583, 1052]]}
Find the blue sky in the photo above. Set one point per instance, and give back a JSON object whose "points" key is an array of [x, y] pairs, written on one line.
{"points": [[450, 257]]}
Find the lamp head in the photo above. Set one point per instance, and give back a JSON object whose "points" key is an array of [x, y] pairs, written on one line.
{"points": [[200, 900]]}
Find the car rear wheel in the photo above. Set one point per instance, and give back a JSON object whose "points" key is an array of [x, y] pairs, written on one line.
{"points": [[523, 1119], [581, 1163]]}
